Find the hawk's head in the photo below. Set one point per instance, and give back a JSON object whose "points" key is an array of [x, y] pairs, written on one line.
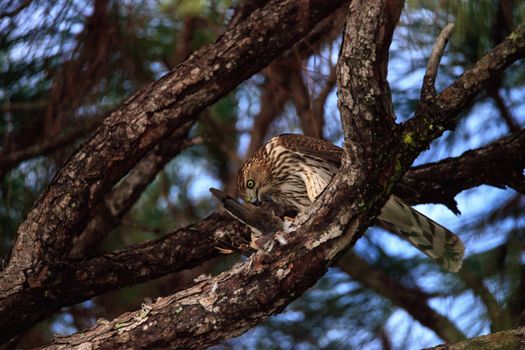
{"points": [[254, 180]]}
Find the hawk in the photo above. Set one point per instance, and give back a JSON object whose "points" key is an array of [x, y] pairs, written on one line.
{"points": [[292, 170]]}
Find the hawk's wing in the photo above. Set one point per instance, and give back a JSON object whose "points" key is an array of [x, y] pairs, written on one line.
{"points": [[313, 147], [329, 152], [321, 161]]}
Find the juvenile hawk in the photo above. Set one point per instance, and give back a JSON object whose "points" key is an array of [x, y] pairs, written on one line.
{"points": [[292, 170]]}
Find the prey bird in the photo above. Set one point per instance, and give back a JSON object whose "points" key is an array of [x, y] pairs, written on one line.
{"points": [[292, 170]]}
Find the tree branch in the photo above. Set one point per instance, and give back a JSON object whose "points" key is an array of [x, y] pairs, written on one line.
{"points": [[183, 249], [499, 164], [429, 90], [504, 340], [232, 302], [435, 115], [457, 173], [45, 238], [141, 267]]}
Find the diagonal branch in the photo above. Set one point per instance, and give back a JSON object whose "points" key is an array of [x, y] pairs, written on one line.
{"points": [[429, 89], [152, 114], [183, 249]]}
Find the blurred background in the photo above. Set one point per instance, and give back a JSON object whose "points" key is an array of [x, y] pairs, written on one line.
{"points": [[66, 64]]}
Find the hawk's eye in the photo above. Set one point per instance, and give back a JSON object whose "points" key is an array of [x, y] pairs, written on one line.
{"points": [[250, 184]]}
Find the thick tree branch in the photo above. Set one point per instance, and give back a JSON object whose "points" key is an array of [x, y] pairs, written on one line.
{"points": [[230, 303], [464, 167], [499, 164], [117, 275], [455, 173], [504, 340], [45, 238], [183, 249]]}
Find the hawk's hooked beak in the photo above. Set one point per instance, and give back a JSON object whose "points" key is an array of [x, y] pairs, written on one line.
{"points": [[256, 201]]}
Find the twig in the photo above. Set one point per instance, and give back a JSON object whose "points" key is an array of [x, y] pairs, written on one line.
{"points": [[429, 90]]}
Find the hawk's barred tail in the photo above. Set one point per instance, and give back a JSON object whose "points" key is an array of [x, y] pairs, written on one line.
{"points": [[423, 233]]}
